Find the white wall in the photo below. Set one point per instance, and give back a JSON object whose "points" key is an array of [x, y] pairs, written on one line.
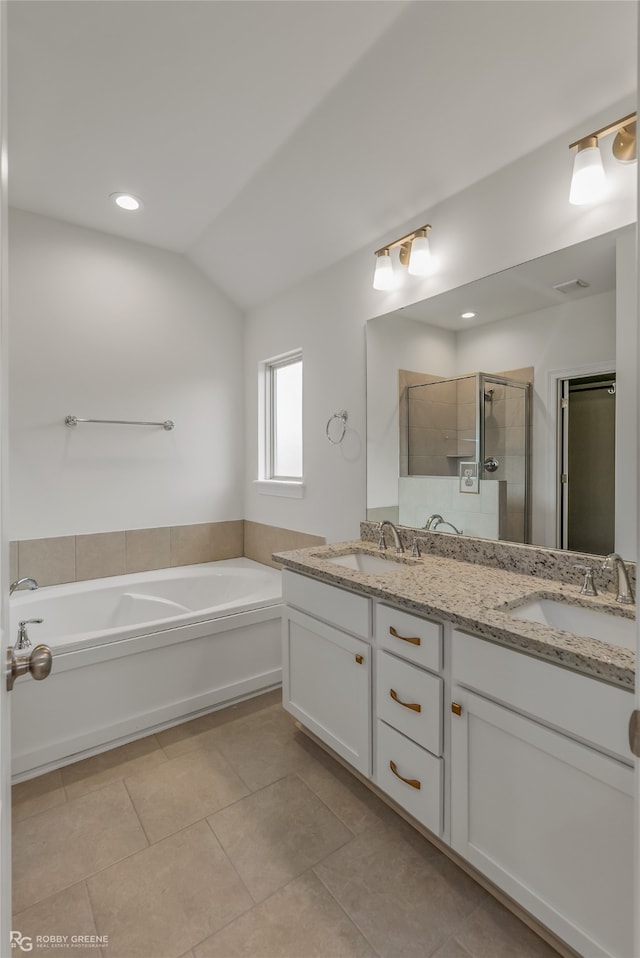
{"points": [[101, 327], [518, 214], [392, 345]]}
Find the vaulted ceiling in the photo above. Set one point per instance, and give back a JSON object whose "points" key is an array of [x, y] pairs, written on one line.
{"points": [[270, 138]]}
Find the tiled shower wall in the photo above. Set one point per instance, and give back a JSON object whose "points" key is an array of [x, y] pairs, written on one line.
{"points": [[75, 558]]}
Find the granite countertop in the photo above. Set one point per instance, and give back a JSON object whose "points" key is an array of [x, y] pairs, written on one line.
{"points": [[478, 598]]}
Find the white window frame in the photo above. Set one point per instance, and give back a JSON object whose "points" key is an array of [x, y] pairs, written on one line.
{"points": [[267, 483]]}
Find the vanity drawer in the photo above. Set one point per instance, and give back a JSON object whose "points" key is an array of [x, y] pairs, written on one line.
{"points": [[348, 611], [416, 784], [410, 636], [410, 700]]}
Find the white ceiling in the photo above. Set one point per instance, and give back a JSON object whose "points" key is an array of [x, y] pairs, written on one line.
{"points": [[525, 288], [270, 138]]}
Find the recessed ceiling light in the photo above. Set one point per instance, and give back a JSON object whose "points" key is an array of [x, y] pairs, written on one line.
{"points": [[467, 315], [126, 201]]}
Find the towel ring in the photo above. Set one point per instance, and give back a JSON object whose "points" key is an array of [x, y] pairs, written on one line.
{"points": [[342, 417]]}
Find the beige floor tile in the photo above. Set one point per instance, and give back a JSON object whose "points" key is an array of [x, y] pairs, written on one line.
{"points": [[262, 748], [351, 801], [182, 791], [187, 736], [301, 920], [276, 834], [66, 914], [167, 898], [452, 949], [37, 795], [63, 845], [493, 932], [403, 903], [114, 765]]}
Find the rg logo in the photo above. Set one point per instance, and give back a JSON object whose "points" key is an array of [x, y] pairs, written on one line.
{"points": [[20, 941]]}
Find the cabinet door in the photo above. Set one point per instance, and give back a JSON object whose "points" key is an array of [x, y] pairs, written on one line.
{"points": [[327, 686], [548, 820]]}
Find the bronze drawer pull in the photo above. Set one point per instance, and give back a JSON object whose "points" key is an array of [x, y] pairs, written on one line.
{"points": [[414, 706], [456, 708], [414, 640], [359, 659], [413, 782]]}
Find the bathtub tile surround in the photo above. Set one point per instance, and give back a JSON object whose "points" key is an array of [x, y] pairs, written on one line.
{"points": [[260, 539], [147, 549], [62, 559], [50, 560], [99, 555], [206, 541], [180, 896]]}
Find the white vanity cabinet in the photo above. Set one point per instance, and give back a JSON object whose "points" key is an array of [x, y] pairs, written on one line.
{"points": [[409, 714], [542, 791], [522, 766], [327, 670]]}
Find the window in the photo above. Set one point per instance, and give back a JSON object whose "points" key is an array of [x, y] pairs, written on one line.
{"points": [[280, 381]]}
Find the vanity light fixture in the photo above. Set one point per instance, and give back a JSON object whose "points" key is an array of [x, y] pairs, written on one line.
{"points": [[414, 253], [127, 201], [384, 276], [588, 183]]}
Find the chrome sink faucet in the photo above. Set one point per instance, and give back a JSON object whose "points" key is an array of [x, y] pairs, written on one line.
{"points": [[415, 548], [443, 522], [429, 524], [396, 537], [26, 581], [625, 592]]}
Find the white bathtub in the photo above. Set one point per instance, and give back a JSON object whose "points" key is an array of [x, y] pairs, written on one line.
{"points": [[133, 654]]}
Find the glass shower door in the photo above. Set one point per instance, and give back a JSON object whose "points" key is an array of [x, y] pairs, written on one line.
{"points": [[505, 450]]}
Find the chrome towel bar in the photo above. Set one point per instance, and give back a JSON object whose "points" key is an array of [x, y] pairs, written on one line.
{"points": [[73, 421]]}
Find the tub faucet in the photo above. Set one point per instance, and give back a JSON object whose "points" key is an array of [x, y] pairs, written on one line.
{"points": [[394, 532], [625, 592], [26, 581]]}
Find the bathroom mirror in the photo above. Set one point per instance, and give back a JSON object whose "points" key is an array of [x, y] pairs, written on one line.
{"points": [[553, 322]]}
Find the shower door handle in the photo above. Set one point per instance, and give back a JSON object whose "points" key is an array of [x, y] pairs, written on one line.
{"points": [[38, 662]]}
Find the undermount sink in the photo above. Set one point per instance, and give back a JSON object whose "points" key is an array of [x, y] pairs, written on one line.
{"points": [[604, 626], [365, 562]]}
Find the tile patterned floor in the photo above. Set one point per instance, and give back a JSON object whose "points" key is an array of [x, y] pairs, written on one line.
{"points": [[234, 835]]}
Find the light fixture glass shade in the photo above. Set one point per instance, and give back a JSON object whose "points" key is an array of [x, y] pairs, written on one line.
{"points": [[384, 277], [588, 183], [420, 263]]}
